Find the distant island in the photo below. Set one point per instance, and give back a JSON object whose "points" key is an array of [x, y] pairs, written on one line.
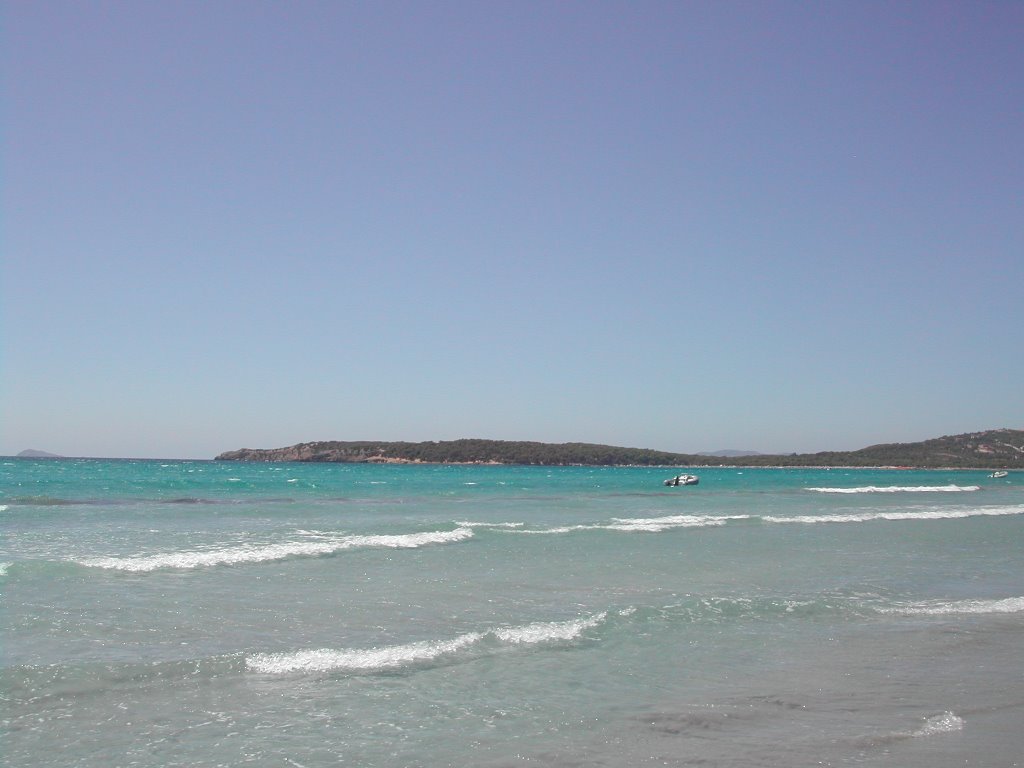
{"points": [[32, 453], [991, 449]]}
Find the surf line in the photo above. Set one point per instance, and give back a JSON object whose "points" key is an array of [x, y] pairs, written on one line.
{"points": [[901, 489], [675, 522], [392, 656], [931, 514], [272, 552]]}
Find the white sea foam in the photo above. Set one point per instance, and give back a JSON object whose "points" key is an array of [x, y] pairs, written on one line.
{"points": [[925, 514], [561, 529], [545, 632], [645, 524], [392, 656], [326, 659], [1007, 605], [901, 489], [471, 524], [947, 722], [3, 507], [4, 567], [280, 551], [657, 524]]}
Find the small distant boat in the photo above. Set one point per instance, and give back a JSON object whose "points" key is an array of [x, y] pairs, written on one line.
{"points": [[999, 473], [682, 480]]}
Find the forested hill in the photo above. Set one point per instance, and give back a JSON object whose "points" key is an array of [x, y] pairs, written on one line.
{"points": [[463, 452], [994, 448], [997, 448]]}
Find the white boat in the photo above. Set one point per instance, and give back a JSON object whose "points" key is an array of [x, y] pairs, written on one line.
{"points": [[999, 473], [682, 480]]}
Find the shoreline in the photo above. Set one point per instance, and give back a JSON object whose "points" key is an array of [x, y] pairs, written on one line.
{"points": [[991, 449], [396, 461]]}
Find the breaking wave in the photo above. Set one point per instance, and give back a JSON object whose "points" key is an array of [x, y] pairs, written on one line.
{"points": [[398, 656], [901, 489], [473, 645], [959, 607], [925, 514], [671, 522], [325, 659], [657, 524], [279, 551], [646, 524], [545, 632], [947, 722]]}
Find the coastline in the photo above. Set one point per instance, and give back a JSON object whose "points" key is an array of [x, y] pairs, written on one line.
{"points": [[494, 463], [398, 461], [1001, 449]]}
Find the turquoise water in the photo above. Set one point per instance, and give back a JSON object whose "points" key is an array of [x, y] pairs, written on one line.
{"points": [[227, 614]]}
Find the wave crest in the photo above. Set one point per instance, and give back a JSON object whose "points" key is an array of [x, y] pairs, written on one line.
{"points": [[544, 632], [927, 514], [644, 524], [272, 552], [398, 656], [901, 489], [947, 722], [959, 607], [658, 524], [326, 659]]}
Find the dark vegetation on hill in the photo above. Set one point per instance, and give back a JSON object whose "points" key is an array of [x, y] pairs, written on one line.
{"points": [[997, 448]]}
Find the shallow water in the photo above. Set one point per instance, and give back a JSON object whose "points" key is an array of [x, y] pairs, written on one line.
{"points": [[223, 614]]}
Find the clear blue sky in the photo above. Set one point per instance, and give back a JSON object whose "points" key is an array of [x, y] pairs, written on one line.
{"points": [[778, 226]]}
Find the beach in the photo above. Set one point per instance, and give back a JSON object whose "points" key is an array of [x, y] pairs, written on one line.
{"points": [[196, 613]]}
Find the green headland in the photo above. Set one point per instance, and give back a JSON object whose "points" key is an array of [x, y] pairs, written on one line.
{"points": [[991, 449]]}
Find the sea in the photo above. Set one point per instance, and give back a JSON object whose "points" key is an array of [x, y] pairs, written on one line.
{"points": [[203, 613]]}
